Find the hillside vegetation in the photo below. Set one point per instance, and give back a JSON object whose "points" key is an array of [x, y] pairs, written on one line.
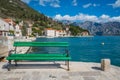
{"points": [[18, 10]]}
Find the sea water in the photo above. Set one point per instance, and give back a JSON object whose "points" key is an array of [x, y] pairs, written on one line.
{"points": [[89, 49]]}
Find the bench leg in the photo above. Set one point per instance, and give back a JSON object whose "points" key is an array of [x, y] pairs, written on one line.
{"points": [[15, 63], [67, 62], [9, 65]]}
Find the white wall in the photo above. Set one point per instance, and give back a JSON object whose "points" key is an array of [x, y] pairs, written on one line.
{"points": [[4, 25], [18, 32], [50, 33], [57, 33]]}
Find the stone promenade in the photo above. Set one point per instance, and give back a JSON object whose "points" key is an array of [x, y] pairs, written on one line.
{"points": [[57, 71]]}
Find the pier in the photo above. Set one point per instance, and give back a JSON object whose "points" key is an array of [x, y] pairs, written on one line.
{"points": [[51, 71]]}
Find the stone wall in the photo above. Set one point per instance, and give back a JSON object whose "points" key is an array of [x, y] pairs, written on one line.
{"points": [[3, 46]]}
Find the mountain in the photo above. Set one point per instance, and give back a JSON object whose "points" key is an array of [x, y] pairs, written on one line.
{"points": [[16, 9], [108, 28]]}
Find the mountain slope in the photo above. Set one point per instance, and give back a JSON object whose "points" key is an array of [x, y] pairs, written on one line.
{"points": [[17, 9], [108, 28]]}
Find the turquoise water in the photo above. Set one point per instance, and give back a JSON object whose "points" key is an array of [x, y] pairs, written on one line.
{"points": [[90, 49]]}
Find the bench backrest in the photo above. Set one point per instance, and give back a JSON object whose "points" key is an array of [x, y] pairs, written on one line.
{"points": [[41, 44]]}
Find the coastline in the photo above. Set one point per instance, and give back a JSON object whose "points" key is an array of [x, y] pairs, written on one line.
{"points": [[61, 36]]}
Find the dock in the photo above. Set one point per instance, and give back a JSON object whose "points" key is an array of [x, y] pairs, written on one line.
{"points": [[57, 71]]}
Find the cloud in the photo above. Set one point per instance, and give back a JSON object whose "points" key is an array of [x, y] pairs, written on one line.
{"points": [[116, 4], [81, 17], [74, 2], [86, 17], [52, 3], [26, 1], [90, 5], [41, 2], [55, 4], [87, 5]]}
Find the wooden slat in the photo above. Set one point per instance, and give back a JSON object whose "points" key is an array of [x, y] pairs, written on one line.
{"points": [[39, 58], [38, 55], [41, 44]]}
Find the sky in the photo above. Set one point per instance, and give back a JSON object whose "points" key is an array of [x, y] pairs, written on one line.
{"points": [[78, 10]]}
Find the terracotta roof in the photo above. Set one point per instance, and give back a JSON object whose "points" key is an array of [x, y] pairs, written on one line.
{"points": [[7, 20], [49, 28]]}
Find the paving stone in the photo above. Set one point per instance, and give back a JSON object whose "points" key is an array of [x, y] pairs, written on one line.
{"points": [[91, 73], [9, 72], [26, 77], [3, 77], [58, 74], [65, 77], [1, 73], [36, 77], [35, 73], [88, 73], [52, 76], [20, 72], [12, 79], [76, 78], [89, 78], [73, 73]]}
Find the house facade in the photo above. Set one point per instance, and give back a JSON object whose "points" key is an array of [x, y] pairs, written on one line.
{"points": [[17, 31], [61, 33], [85, 33], [15, 28], [4, 28], [11, 23], [49, 32]]}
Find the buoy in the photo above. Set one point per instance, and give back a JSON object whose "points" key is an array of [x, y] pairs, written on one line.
{"points": [[102, 43]]}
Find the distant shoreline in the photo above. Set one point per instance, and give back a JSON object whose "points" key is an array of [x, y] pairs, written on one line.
{"points": [[61, 36]]}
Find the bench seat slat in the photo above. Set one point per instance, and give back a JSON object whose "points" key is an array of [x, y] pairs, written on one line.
{"points": [[38, 55], [39, 58], [41, 44]]}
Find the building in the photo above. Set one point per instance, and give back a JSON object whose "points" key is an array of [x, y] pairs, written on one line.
{"points": [[49, 32], [85, 33], [57, 33], [29, 31], [4, 28], [11, 23], [17, 31], [62, 33], [11, 26], [29, 27]]}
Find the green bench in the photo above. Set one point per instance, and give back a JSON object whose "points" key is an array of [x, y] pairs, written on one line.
{"points": [[41, 56]]}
